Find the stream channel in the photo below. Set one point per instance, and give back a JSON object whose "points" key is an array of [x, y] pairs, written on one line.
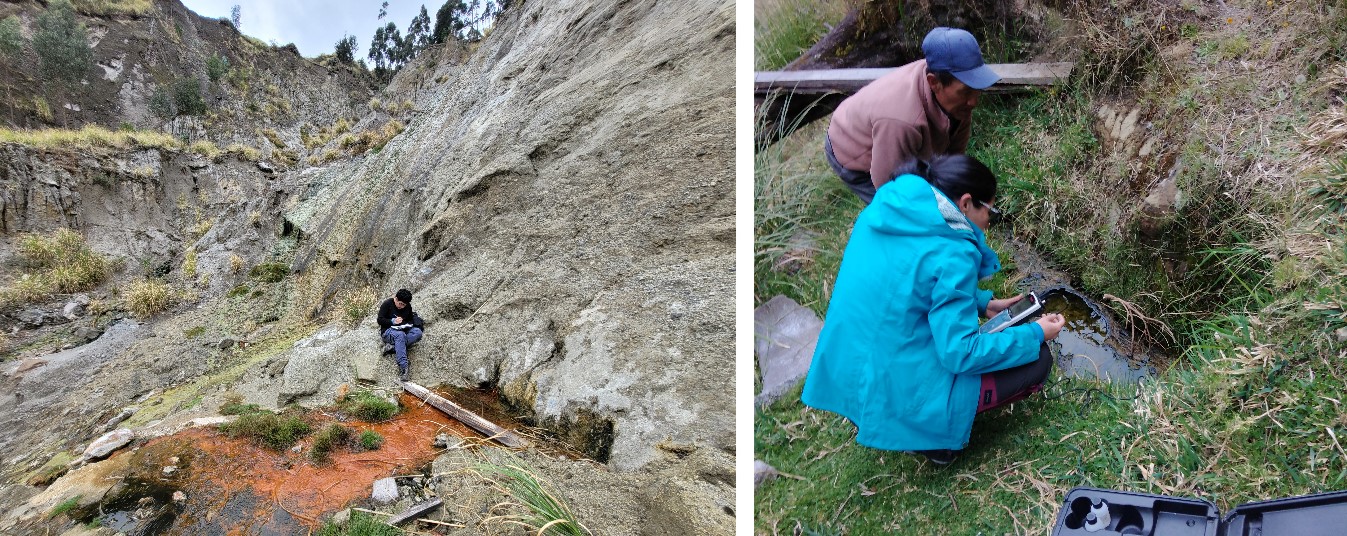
{"points": [[1092, 344], [199, 482]]}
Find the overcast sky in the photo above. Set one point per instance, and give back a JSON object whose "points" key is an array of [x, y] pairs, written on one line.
{"points": [[315, 25]]}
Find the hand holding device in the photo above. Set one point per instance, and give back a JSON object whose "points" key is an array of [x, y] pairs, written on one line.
{"points": [[1052, 325], [1013, 314]]}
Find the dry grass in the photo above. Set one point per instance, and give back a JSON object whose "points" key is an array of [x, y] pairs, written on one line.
{"points": [[112, 7], [244, 152], [59, 263], [90, 137], [205, 148], [147, 297]]}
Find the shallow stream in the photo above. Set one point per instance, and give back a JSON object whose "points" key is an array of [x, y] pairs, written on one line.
{"points": [[1092, 344], [219, 485]]}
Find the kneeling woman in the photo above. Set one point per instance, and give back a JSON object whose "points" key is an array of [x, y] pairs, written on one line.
{"points": [[900, 354]]}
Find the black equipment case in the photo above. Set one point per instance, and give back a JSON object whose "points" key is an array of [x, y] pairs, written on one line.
{"points": [[1102, 512]]}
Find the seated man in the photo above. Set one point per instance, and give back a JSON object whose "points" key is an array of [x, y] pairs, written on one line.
{"points": [[400, 326]]}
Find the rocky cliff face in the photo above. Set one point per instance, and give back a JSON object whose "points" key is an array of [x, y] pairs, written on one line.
{"points": [[560, 203], [141, 60]]}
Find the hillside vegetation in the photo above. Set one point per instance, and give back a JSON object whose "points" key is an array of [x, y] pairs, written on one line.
{"points": [[1237, 107]]}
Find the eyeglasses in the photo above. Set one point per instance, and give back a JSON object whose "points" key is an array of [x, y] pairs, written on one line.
{"points": [[994, 212]]}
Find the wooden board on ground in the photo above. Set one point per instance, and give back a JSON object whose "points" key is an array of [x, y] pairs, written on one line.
{"points": [[488, 428], [417, 510], [1013, 76]]}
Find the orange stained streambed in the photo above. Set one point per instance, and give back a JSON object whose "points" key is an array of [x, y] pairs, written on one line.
{"points": [[235, 486]]}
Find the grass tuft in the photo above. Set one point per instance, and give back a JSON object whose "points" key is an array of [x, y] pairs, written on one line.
{"points": [[361, 524], [269, 272], [275, 431], [543, 510], [147, 297], [369, 407], [371, 440], [64, 507], [61, 262], [330, 437]]}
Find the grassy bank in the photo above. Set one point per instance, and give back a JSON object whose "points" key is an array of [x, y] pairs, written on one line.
{"points": [[1246, 269]]}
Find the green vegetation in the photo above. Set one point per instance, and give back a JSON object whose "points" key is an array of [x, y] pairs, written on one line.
{"points": [[269, 272], [785, 28], [241, 290], [65, 506], [371, 440], [189, 262], [345, 49], [358, 304], [369, 407], [113, 7], [330, 437], [205, 148], [275, 431], [1245, 270], [11, 38], [61, 262], [361, 524], [542, 510], [217, 66], [194, 332], [62, 44], [148, 297]]}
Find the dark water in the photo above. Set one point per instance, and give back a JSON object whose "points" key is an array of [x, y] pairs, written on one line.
{"points": [[1092, 344]]}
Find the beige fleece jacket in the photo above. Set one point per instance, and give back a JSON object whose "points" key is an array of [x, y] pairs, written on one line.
{"points": [[890, 121]]}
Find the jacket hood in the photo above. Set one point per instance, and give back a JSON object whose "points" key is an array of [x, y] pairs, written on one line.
{"points": [[910, 206]]}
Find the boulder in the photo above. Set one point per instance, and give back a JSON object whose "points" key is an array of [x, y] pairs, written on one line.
{"points": [[108, 443]]}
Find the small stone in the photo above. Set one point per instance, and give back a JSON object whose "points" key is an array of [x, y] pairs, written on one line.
{"points": [[173, 460], [125, 414], [225, 343], [170, 469], [179, 496], [265, 167], [1341, 334], [341, 518], [441, 441], [110, 442], [297, 449], [87, 333], [72, 310], [762, 472], [197, 163], [385, 490]]}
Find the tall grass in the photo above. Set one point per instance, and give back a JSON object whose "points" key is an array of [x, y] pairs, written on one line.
{"points": [[1247, 271], [783, 29], [542, 510], [89, 137], [112, 7], [61, 262]]}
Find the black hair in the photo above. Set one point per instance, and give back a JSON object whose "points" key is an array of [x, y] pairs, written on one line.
{"points": [[404, 295], [945, 77], [955, 175]]}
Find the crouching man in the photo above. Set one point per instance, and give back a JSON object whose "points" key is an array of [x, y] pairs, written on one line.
{"points": [[400, 327]]}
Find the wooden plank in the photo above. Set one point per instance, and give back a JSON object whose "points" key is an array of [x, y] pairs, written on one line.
{"points": [[488, 428], [417, 510], [1013, 76]]}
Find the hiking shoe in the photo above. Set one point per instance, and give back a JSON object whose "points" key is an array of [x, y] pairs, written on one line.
{"points": [[938, 456], [402, 373], [388, 348]]}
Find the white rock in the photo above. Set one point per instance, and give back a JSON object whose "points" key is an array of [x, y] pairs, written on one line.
{"points": [[385, 490], [110, 442]]}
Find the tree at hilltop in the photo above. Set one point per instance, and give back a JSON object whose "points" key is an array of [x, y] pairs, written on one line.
{"points": [[62, 44]]}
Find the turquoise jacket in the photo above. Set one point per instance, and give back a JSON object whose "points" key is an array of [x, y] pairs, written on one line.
{"points": [[900, 353]]}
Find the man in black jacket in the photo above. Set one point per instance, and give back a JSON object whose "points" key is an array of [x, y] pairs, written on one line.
{"points": [[400, 326]]}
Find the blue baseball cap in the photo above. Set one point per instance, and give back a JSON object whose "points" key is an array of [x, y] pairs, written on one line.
{"points": [[957, 51]]}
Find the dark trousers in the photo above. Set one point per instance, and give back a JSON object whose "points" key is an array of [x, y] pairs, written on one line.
{"points": [[858, 181], [1013, 384]]}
